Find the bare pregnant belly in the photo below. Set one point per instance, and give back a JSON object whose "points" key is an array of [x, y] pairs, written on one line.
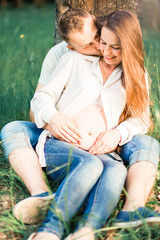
{"points": [[91, 122]]}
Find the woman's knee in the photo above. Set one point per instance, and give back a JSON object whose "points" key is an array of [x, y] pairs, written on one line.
{"points": [[115, 170], [96, 164], [90, 164], [89, 161]]}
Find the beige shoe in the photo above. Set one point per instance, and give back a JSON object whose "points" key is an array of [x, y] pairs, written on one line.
{"points": [[31, 236], [69, 237], [84, 233], [33, 209]]}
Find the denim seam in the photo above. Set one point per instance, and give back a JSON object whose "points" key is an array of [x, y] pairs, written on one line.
{"points": [[69, 176], [95, 198], [60, 198], [135, 150]]}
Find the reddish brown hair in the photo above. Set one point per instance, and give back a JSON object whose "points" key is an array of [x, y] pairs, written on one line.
{"points": [[127, 28]]}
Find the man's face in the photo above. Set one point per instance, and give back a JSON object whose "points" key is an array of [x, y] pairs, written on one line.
{"points": [[86, 41]]}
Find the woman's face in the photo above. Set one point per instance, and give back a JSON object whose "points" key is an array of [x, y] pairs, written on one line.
{"points": [[110, 47]]}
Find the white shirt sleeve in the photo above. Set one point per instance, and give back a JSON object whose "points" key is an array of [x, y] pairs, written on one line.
{"points": [[44, 101], [130, 128], [133, 126], [51, 60]]}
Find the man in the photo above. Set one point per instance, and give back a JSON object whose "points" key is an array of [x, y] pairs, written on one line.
{"points": [[82, 37]]}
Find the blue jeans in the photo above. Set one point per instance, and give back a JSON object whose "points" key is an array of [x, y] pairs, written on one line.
{"points": [[103, 193], [81, 174], [21, 134]]}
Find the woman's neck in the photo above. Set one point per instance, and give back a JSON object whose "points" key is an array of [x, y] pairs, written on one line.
{"points": [[106, 69]]}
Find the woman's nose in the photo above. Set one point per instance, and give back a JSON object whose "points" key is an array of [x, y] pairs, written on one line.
{"points": [[107, 51]]}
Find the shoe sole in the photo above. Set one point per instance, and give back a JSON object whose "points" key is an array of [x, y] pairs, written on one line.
{"points": [[150, 221], [69, 237], [33, 209], [31, 236]]}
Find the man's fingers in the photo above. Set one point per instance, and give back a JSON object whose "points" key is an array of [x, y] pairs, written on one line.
{"points": [[73, 128], [72, 131], [63, 137], [66, 135]]}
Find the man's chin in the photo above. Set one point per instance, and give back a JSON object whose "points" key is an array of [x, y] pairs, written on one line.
{"points": [[97, 54]]}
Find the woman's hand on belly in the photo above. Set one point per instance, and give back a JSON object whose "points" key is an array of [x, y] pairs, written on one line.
{"points": [[107, 141], [63, 128], [88, 138]]}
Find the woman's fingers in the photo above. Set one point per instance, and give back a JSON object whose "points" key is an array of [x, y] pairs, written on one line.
{"points": [[96, 147]]}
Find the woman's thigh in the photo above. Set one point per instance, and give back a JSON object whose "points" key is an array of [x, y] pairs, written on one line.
{"points": [[62, 158]]}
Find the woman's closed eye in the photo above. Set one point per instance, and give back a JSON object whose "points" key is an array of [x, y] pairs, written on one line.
{"points": [[116, 48]]}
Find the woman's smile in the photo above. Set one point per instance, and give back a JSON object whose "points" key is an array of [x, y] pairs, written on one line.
{"points": [[109, 58]]}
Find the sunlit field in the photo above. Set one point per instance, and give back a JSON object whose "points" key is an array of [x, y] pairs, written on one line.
{"points": [[26, 35]]}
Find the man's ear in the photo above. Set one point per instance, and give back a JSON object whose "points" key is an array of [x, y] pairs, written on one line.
{"points": [[94, 18], [71, 48]]}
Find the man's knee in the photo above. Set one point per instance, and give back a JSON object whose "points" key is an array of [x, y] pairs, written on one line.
{"points": [[141, 148], [10, 129], [146, 142]]}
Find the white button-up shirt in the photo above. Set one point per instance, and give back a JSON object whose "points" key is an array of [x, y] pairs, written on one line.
{"points": [[77, 82]]}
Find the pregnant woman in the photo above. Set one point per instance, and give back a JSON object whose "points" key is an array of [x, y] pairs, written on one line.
{"points": [[74, 103]]}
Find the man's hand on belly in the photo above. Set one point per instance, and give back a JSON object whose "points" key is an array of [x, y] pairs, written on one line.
{"points": [[107, 141], [63, 128]]}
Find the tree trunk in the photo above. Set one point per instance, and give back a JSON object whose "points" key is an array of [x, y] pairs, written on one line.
{"points": [[150, 16], [96, 7]]}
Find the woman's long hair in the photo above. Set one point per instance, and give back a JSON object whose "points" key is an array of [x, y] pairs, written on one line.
{"points": [[126, 26]]}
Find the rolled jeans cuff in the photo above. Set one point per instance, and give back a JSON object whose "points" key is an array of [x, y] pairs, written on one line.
{"points": [[15, 141], [145, 155]]}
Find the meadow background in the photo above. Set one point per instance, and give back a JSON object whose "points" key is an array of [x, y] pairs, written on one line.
{"points": [[26, 35]]}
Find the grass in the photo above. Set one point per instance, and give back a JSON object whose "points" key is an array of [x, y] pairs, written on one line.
{"points": [[26, 36]]}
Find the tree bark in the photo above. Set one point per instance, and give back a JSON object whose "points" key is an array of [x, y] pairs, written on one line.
{"points": [[150, 16], [95, 7]]}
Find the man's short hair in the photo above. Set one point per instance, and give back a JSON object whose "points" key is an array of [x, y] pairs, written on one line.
{"points": [[71, 20]]}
